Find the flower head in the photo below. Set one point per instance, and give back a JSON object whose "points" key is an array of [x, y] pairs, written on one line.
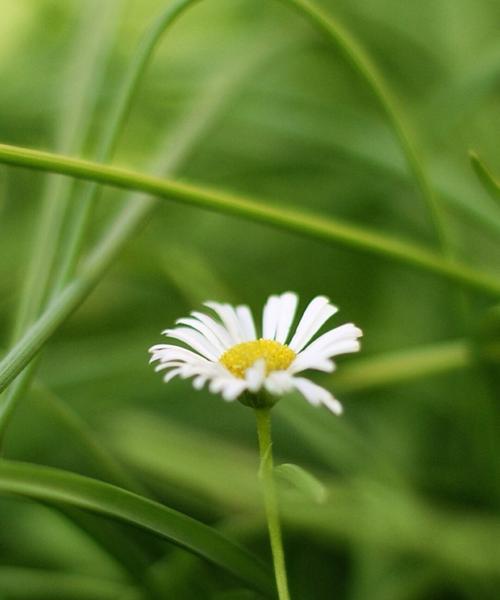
{"points": [[226, 352]]}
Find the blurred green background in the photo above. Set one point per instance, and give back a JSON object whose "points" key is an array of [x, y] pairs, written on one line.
{"points": [[271, 111]]}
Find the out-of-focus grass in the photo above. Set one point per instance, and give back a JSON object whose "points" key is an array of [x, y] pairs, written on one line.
{"points": [[412, 468]]}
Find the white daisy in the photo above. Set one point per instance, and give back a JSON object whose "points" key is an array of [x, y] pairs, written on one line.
{"points": [[227, 353]]}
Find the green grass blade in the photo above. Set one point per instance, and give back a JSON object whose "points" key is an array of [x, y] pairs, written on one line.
{"points": [[302, 480], [390, 368], [342, 39], [60, 487], [113, 129], [326, 229], [83, 76], [485, 176], [365, 67], [21, 583]]}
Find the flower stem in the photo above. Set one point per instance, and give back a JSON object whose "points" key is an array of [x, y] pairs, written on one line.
{"points": [[271, 501]]}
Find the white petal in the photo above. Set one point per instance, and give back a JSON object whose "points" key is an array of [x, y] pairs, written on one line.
{"points": [[247, 323], [203, 330], [194, 339], [316, 394], [333, 405], [219, 330], [171, 352], [315, 362], [315, 315], [279, 383], [171, 374], [233, 389], [255, 375], [199, 382], [228, 316], [217, 384], [288, 306], [348, 331], [317, 355], [270, 317]]}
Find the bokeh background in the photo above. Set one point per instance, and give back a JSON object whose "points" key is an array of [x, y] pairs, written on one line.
{"points": [[412, 468]]}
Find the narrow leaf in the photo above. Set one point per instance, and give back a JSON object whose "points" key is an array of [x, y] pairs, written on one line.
{"points": [[305, 482], [490, 184], [61, 487]]}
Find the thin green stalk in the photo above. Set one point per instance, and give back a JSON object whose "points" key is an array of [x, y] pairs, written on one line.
{"points": [[362, 63], [327, 229], [485, 176], [115, 125], [80, 99], [263, 416]]}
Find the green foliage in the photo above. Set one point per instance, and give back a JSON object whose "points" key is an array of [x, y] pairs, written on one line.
{"points": [[337, 133]]}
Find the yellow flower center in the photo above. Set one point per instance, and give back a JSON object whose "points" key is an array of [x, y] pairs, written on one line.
{"points": [[241, 357]]}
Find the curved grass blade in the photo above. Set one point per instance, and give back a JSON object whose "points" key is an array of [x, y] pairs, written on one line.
{"points": [[326, 229], [63, 488], [367, 70], [303, 481], [488, 181]]}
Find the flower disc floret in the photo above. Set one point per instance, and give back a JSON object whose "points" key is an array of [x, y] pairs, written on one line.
{"points": [[239, 358]]}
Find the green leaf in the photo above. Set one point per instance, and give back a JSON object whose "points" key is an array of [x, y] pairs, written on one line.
{"points": [[490, 184], [302, 480], [61, 487], [40, 584]]}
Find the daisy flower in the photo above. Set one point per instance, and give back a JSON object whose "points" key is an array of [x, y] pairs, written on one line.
{"points": [[224, 350]]}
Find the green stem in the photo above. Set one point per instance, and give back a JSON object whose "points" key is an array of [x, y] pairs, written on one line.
{"points": [[263, 416], [336, 34], [328, 229]]}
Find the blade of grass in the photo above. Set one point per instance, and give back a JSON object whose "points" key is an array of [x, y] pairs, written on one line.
{"points": [[347, 140], [488, 181], [367, 70], [60, 487], [340, 38], [88, 63], [21, 583], [403, 365], [113, 129], [327, 229]]}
